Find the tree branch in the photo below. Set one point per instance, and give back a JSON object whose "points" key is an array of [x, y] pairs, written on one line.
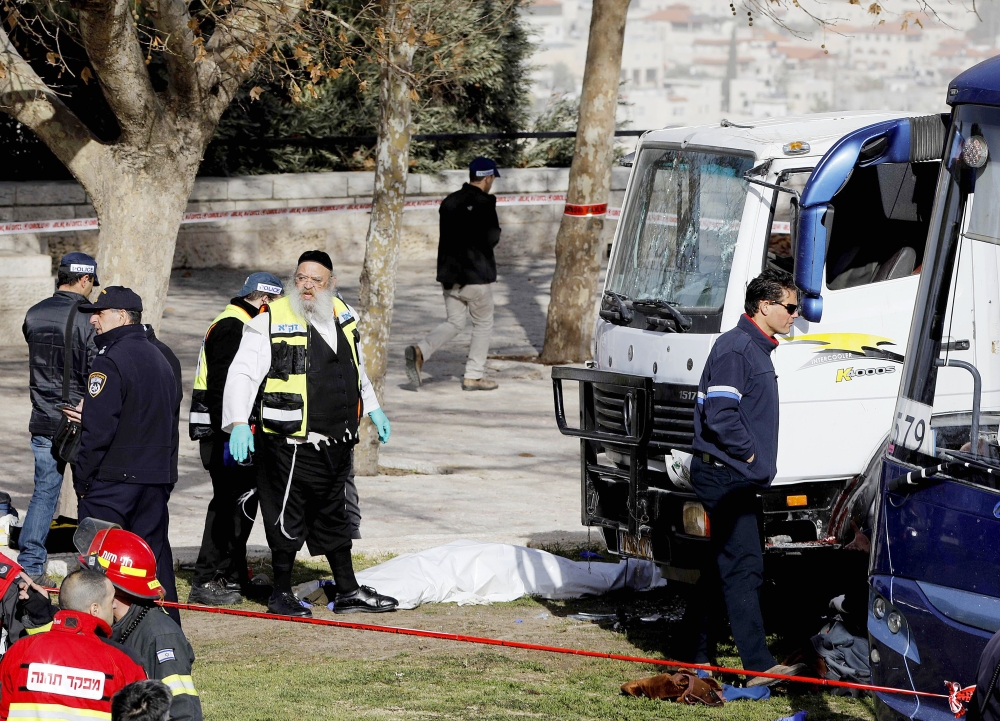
{"points": [[171, 18], [240, 39], [109, 36], [26, 97]]}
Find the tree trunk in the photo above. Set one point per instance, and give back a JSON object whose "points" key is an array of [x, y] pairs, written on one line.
{"points": [[140, 213], [570, 321], [378, 276]]}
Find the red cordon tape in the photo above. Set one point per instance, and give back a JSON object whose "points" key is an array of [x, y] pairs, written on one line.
{"points": [[586, 210], [956, 694]]}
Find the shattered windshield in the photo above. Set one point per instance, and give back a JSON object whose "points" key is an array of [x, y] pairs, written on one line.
{"points": [[681, 225]]}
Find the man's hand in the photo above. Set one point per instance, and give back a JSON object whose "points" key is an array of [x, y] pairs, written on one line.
{"points": [[24, 583], [381, 424], [75, 414], [241, 442]]}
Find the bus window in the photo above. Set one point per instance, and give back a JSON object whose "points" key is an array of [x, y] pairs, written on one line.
{"points": [[779, 244]]}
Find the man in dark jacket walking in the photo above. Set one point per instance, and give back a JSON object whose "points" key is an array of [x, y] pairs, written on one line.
{"points": [[45, 331], [123, 471], [220, 574], [470, 230], [735, 452]]}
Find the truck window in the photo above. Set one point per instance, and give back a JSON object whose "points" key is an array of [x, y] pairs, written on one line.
{"points": [[880, 223], [779, 244], [680, 228]]}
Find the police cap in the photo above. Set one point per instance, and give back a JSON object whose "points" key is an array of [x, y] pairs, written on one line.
{"points": [[114, 296], [483, 168], [261, 282], [77, 262]]}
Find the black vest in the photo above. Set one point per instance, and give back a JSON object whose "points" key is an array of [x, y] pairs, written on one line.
{"points": [[332, 389]]}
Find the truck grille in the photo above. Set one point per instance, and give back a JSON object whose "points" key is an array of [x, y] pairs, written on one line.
{"points": [[673, 415]]}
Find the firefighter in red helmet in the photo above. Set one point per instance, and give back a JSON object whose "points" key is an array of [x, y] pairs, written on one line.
{"points": [[140, 625]]}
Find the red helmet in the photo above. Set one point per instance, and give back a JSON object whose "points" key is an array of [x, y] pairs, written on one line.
{"points": [[123, 557]]}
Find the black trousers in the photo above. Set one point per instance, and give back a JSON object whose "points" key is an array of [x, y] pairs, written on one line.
{"points": [[141, 509], [735, 516], [303, 495], [228, 522]]}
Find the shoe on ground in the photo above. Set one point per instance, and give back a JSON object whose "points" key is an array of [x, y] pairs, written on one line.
{"points": [[284, 603], [214, 593], [258, 592], [793, 670], [364, 600], [479, 384], [414, 362]]}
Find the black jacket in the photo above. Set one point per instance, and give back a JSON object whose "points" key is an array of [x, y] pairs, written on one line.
{"points": [[44, 328], [129, 426], [165, 654], [175, 366], [470, 230]]}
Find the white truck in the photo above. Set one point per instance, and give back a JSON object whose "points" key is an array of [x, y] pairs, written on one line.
{"points": [[841, 200]]}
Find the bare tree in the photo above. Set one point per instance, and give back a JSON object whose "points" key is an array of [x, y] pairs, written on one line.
{"points": [[569, 325]]}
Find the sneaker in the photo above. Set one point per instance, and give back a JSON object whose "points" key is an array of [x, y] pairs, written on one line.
{"points": [[479, 384], [414, 362], [214, 593], [793, 670], [284, 603], [364, 600]]}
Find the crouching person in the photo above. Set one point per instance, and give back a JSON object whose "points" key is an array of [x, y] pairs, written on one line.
{"points": [[72, 671]]}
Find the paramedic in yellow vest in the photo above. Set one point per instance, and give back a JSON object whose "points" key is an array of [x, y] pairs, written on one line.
{"points": [[220, 574], [306, 350]]}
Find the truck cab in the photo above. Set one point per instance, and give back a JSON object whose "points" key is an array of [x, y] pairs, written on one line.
{"points": [[841, 200]]}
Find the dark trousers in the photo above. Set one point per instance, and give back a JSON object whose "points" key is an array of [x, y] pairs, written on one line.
{"points": [[228, 522], [303, 496], [733, 582], [141, 509]]}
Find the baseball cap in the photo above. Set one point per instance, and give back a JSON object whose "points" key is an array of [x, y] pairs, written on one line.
{"points": [[77, 262], [114, 296], [483, 167], [261, 282]]}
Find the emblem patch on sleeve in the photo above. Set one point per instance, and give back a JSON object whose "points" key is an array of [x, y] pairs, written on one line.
{"points": [[164, 655], [96, 384]]}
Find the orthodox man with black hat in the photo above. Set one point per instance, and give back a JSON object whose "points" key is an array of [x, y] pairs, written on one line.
{"points": [[123, 473], [306, 350], [220, 574], [466, 269]]}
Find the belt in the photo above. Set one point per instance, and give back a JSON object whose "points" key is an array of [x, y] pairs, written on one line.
{"points": [[708, 458]]}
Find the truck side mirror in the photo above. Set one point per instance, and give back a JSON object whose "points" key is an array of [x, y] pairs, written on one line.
{"points": [[813, 229]]}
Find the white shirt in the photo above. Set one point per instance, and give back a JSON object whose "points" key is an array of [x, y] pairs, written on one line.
{"points": [[253, 361]]}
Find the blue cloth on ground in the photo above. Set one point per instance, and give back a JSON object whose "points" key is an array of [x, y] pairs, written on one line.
{"points": [[797, 716], [756, 693]]}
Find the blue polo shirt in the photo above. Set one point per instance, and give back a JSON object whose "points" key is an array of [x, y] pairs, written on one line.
{"points": [[737, 412]]}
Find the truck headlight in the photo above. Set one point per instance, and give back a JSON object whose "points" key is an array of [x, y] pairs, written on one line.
{"points": [[696, 520]]}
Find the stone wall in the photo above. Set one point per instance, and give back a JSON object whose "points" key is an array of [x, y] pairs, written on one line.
{"points": [[27, 261]]}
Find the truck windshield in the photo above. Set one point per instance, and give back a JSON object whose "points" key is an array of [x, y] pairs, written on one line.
{"points": [[680, 228], [970, 174]]}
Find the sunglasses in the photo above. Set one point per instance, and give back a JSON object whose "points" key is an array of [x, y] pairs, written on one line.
{"points": [[790, 307]]}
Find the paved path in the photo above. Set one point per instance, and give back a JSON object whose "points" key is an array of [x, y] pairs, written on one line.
{"points": [[488, 466]]}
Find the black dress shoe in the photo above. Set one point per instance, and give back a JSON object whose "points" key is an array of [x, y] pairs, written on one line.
{"points": [[365, 600], [214, 593], [284, 603]]}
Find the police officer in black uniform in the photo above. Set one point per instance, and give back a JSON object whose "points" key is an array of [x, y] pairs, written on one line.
{"points": [[123, 470]]}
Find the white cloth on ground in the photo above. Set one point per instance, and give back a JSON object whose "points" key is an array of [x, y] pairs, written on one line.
{"points": [[470, 572]]}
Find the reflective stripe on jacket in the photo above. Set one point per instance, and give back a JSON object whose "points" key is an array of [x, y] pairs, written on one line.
{"points": [[200, 420], [285, 404]]}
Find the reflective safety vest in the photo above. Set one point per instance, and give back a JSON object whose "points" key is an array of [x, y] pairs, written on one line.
{"points": [[199, 420], [285, 405]]}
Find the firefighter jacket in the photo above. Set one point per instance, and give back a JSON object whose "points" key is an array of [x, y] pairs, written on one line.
{"points": [[166, 655], [68, 674], [218, 348], [128, 416], [45, 331]]}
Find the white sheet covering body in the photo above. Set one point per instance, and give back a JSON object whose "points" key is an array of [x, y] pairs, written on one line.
{"points": [[470, 572]]}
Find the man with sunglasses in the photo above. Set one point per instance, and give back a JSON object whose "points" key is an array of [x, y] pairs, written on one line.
{"points": [[735, 452]]}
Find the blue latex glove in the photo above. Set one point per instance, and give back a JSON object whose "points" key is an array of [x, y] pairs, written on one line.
{"points": [[381, 424], [241, 442]]}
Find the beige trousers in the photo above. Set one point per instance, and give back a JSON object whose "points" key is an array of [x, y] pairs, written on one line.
{"points": [[459, 303]]}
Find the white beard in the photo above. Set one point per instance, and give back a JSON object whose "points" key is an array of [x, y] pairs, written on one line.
{"points": [[319, 309]]}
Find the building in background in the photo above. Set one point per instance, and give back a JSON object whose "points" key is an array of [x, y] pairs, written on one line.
{"points": [[694, 62]]}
